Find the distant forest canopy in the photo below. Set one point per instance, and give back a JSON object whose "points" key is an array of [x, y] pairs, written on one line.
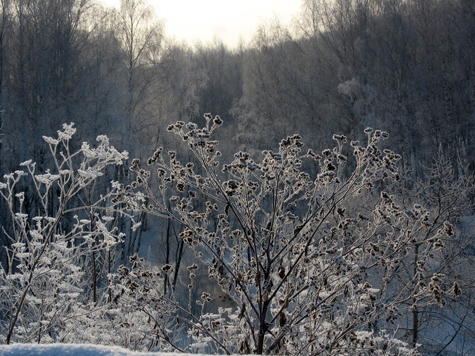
{"points": [[404, 66]]}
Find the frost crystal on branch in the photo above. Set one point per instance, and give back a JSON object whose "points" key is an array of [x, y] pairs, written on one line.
{"points": [[45, 279]]}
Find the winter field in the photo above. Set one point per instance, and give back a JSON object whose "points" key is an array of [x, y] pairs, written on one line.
{"points": [[71, 350]]}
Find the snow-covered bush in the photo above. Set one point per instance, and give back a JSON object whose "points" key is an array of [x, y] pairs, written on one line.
{"points": [[310, 260], [318, 253], [62, 238]]}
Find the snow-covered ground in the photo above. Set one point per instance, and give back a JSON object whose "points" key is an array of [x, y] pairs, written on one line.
{"points": [[72, 350]]}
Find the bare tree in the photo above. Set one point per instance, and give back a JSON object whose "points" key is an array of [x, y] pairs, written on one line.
{"points": [[140, 35]]}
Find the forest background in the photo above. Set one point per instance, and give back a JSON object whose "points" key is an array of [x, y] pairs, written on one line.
{"points": [[404, 66]]}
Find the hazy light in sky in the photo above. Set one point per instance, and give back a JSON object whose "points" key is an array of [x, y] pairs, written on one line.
{"points": [[203, 20]]}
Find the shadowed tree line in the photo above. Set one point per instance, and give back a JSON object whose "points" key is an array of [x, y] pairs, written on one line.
{"points": [[405, 66]]}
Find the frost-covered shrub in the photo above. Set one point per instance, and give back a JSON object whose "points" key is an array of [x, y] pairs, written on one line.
{"points": [[308, 259], [58, 237], [316, 252], [447, 196]]}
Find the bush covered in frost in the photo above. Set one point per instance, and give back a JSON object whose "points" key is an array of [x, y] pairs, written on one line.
{"points": [[315, 250], [312, 259]]}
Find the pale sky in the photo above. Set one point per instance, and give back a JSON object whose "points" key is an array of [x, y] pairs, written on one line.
{"points": [[228, 20]]}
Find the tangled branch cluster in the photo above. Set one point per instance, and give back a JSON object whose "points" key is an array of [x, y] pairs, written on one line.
{"points": [[310, 268]]}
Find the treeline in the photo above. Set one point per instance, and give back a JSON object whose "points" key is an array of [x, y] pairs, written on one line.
{"points": [[108, 71], [403, 66]]}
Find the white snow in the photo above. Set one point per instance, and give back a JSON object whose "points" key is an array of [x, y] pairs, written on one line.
{"points": [[74, 350]]}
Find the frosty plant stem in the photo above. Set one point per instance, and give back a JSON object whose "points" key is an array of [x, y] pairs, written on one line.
{"points": [[70, 182], [32, 272]]}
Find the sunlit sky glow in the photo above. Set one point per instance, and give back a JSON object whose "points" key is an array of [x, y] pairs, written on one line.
{"points": [[227, 20]]}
